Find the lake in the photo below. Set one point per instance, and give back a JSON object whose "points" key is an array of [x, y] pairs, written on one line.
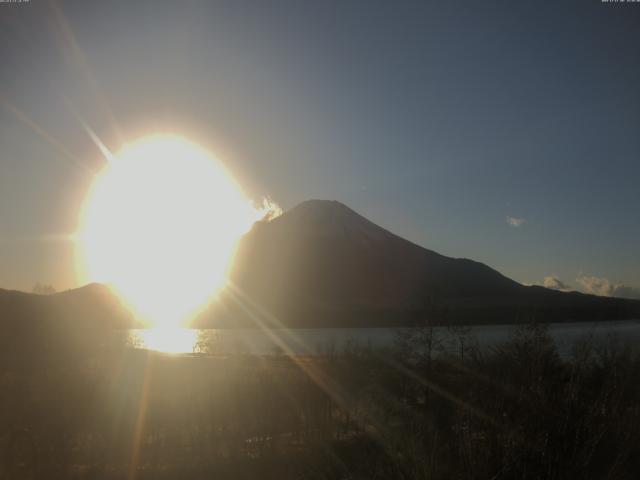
{"points": [[320, 341]]}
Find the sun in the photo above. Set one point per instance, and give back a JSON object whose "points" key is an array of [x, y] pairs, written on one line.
{"points": [[160, 224]]}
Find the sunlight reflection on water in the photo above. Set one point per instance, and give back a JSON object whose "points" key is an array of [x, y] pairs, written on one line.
{"points": [[168, 340]]}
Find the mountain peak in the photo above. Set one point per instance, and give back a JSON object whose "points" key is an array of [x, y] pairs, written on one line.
{"points": [[321, 256], [324, 206], [325, 217]]}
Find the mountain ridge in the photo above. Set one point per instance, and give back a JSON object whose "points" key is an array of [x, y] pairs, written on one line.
{"points": [[323, 264], [322, 259]]}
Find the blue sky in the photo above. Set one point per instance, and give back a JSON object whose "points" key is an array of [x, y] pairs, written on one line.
{"points": [[436, 120]]}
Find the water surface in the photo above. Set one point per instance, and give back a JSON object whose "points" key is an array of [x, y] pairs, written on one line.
{"points": [[321, 341]]}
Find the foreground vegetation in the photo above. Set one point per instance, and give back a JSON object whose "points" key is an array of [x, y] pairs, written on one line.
{"points": [[515, 411]]}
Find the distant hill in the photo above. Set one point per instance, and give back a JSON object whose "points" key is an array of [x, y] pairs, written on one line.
{"points": [[39, 330], [322, 264], [93, 304]]}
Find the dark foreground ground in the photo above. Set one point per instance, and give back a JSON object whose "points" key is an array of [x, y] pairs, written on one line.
{"points": [[72, 409]]}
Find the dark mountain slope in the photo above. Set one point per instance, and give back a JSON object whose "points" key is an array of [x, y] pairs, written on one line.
{"points": [[331, 254], [93, 305], [321, 263], [40, 330]]}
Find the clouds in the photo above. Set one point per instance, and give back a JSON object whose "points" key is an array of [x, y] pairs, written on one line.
{"points": [[604, 287], [515, 222], [554, 283], [269, 209], [593, 285]]}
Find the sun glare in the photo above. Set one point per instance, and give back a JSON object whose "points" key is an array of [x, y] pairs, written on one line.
{"points": [[159, 225], [168, 340]]}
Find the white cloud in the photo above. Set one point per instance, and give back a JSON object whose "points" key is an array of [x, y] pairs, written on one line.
{"points": [[604, 287], [268, 210], [593, 285], [515, 222], [554, 283]]}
